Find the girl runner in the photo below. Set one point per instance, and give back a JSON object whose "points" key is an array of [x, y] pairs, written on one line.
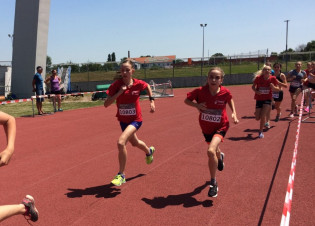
{"points": [[126, 92], [296, 77], [263, 86], [211, 100], [278, 96]]}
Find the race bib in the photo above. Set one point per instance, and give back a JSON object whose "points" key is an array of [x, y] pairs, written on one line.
{"points": [[127, 109], [212, 115], [264, 90], [295, 84], [275, 95]]}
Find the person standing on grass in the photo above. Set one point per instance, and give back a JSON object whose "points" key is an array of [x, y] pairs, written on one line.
{"points": [[296, 77], [54, 81], [38, 88], [126, 92], [263, 85], [210, 100], [278, 96], [27, 207]]}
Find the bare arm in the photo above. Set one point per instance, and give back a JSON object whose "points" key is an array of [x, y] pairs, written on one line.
{"points": [[232, 107], [284, 82], [110, 99], [47, 80], [200, 107], [33, 85], [152, 104], [9, 126]]}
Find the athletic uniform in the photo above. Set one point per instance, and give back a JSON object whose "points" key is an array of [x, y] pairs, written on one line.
{"points": [[307, 83], [263, 86], [214, 120], [278, 96], [296, 83], [128, 106]]}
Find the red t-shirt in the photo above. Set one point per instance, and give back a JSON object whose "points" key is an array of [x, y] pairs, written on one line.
{"points": [[263, 86], [215, 117], [128, 106]]}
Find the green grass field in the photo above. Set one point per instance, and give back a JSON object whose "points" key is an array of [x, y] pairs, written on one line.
{"points": [[245, 68]]}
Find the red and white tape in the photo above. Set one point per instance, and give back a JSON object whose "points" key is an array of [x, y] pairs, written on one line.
{"points": [[15, 101], [70, 94], [285, 220]]}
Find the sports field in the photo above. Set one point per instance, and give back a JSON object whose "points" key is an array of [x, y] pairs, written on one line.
{"points": [[67, 160]]}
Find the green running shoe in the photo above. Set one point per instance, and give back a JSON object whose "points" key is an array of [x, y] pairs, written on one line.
{"points": [[118, 180], [149, 158]]}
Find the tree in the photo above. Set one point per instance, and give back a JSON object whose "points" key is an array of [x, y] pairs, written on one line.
{"points": [[48, 63], [310, 46], [113, 57], [217, 55], [300, 48], [109, 58]]}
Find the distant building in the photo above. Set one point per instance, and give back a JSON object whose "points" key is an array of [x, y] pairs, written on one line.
{"points": [[158, 61]]}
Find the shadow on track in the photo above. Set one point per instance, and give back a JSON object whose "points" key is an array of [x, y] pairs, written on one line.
{"points": [[274, 176], [103, 191], [186, 199]]}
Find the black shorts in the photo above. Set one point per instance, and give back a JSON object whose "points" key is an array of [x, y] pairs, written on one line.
{"points": [[208, 137], [293, 89], [260, 103], [311, 85], [56, 92], [280, 97]]}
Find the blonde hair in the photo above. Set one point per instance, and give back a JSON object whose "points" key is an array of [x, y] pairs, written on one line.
{"points": [[258, 73]]}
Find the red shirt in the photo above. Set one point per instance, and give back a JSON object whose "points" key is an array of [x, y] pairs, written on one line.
{"points": [[128, 106], [263, 86], [215, 117]]}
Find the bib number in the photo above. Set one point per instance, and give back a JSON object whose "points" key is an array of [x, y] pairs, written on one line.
{"points": [[127, 110]]}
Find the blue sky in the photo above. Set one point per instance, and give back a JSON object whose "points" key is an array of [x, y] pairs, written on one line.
{"points": [[82, 31]]}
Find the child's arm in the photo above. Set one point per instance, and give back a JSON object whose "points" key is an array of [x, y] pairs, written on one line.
{"points": [[200, 107], [232, 107], [9, 126], [152, 104], [110, 99], [284, 82]]}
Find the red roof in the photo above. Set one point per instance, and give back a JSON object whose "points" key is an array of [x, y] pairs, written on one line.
{"points": [[155, 59]]}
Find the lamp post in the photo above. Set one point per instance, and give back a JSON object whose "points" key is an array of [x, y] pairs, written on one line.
{"points": [[286, 47], [203, 43], [11, 37]]}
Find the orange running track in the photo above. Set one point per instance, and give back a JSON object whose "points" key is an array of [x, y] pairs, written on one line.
{"points": [[67, 160]]}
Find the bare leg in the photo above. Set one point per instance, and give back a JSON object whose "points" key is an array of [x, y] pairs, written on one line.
{"points": [[213, 155], [121, 144], [11, 210], [139, 143]]}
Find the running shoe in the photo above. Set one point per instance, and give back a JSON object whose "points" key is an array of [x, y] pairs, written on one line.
{"points": [[213, 191], [277, 118], [307, 109], [261, 135], [60, 109], [118, 180], [291, 115], [220, 162], [31, 210], [267, 125], [149, 158]]}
